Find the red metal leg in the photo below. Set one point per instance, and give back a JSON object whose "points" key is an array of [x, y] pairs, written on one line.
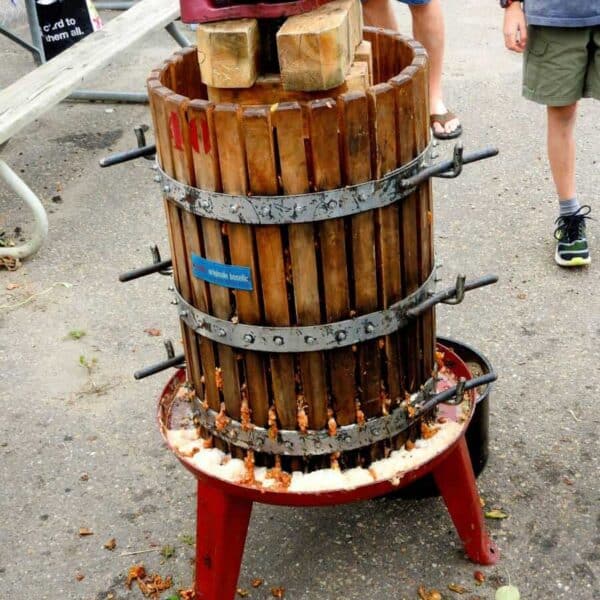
{"points": [[220, 536], [456, 481]]}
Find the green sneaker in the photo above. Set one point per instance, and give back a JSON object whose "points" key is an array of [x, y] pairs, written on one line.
{"points": [[571, 244]]}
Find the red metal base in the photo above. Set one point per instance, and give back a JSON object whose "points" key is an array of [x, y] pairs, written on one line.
{"points": [[224, 508], [223, 523]]}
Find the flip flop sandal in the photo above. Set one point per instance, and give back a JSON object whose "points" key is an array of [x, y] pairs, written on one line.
{"points": [[442, 120]]}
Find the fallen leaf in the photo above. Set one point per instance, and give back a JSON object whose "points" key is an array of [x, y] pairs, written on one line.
{"points": [[242, 593], [479, 577], [278, 592], [111, 544], [135, 572], [257, 582], [167, 551], [12, 286], [79, 576], [83, 531], [459, 589], [152, 332], [568, 481], [422, 593], [188, 594], [154, 584], [496, 514], [507, 592], [522, 296], [84, 477]]}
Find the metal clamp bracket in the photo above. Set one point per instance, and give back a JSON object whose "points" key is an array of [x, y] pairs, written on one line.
{"points": [[306, 338], [299, 208], [349, 437]]}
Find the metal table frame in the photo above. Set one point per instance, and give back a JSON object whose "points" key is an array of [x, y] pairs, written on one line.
{"points": [[36, 48], [15, 183]]}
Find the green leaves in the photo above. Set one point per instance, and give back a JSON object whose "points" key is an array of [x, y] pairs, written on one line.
{"points": [[496, 514], [507, 592]]}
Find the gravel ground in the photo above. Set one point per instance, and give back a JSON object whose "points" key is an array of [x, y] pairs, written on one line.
{"points": [[79, 447]]}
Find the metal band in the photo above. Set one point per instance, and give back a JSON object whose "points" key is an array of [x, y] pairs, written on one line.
{"points": [[306, 338], [315, 442], [299, 208]]}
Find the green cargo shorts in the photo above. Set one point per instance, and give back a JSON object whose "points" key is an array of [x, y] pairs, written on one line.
{"points": [[561, 64]]}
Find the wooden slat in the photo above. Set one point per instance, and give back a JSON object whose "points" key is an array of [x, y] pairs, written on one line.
{"points": [[288, 120], [370, 34], [356, 161], [193, 87], [180, 274], [382, 109], [206, 168], [364, 53], [403, 86], [33, 94], [262, 175], [422, 133], [232, 164], [181, 150], [327, 175]]}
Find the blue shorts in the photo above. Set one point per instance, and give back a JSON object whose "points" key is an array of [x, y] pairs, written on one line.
{"points": [[415, 1]]}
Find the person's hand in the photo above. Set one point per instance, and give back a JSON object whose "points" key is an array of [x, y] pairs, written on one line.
{"points": [[515, 28]]}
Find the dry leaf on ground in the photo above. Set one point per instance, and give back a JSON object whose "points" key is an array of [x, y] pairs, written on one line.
{"points": [[111, 544], [278, 592], [153, 332], [154, 584], [496, 513], [135, 573], [83, 531], [242, 593], [257, 582], [459, 589]]}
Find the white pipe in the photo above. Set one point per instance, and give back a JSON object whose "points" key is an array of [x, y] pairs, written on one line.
{"points": [[41, 219]]}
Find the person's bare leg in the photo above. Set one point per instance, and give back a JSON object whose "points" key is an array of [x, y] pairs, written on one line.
{"points": [[379, 13], [561, 148], [429, 30]]}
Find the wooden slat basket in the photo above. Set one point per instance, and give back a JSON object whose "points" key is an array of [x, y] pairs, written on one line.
{"points": [[302, 273]]}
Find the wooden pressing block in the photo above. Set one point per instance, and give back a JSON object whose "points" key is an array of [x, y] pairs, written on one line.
{"points": [[268, 89], [315, 49], [364, 54], [228, 53], [358, 77]]}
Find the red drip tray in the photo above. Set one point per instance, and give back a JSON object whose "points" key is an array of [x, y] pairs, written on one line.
{"points": [[168, 411]]}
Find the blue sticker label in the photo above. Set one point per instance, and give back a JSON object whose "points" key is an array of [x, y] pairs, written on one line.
{"points": [[231, 276]]}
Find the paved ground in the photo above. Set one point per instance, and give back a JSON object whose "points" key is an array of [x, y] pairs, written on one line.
{"points": [[539, 326]]}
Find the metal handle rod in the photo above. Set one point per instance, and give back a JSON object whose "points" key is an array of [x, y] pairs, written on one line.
{"points": [[449, 393], [446, 165], [121, 157], [143, 271], [161, 366], [450, 293]]}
